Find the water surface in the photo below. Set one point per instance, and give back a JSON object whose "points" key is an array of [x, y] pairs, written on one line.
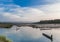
{"points": [[29, 34]]}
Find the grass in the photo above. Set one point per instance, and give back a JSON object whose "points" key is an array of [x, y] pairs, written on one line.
{"points": [[4, 39]]}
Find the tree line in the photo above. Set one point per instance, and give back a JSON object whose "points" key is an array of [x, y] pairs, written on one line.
{"points": [[56, 21]]}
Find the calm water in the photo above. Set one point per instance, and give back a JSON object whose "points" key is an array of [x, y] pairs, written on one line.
{"points": [[29, 34]]}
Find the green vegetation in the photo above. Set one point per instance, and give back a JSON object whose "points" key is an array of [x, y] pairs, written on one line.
{"points": [[56, 21], [4, 39], [5, 25], [10, 24]]}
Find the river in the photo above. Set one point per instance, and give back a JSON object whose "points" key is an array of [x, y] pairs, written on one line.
{"points": [[29, 34]]}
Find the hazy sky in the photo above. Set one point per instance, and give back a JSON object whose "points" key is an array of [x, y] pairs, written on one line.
{"points": [[29, 10]]}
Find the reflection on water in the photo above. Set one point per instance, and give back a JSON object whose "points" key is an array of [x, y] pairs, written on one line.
{"points": [[29, 34]]}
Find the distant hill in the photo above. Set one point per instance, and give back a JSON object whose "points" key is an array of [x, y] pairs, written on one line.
{"points": [[55, 21]]}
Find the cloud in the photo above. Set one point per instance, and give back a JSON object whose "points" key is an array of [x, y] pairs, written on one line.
{"points": [[16, 13], [51, 11], [21, 14], [43, 2], [54, 1]]}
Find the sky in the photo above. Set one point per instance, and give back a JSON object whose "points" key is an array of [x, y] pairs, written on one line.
{"points": [[29, 10]]}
